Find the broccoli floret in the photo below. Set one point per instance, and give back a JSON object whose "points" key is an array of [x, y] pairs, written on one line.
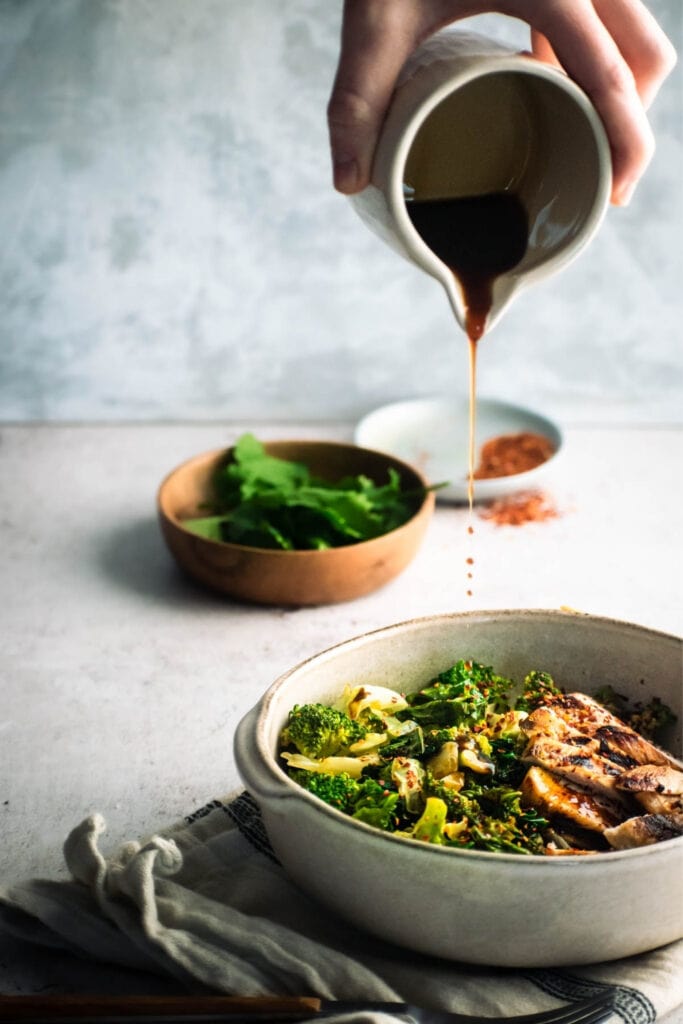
{"points": [[318, 731], [340, 791], [537, 686], [430, 825], [364, 799], [375, 805]]}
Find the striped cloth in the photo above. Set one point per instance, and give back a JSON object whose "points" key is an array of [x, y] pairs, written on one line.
{"points": [[206, 903]]}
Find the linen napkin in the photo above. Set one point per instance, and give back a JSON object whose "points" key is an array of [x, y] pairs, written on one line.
{"points": [[207, 903]]}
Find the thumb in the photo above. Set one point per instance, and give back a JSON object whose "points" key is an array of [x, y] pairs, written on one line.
{"points": [[375, 44]]}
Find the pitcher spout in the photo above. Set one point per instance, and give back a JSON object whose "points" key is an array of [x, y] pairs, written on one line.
{"points": [[503, 292]]}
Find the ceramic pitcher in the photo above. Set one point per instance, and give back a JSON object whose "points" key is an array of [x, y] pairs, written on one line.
{"points": [[470, 117]]}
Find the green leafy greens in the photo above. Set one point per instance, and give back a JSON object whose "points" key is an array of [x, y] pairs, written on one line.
{"points": [[266, 502], [440, 765], [444, 764]]}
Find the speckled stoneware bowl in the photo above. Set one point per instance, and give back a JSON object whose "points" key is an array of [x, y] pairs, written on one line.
{"points": [[276, 577], [478, 907]]}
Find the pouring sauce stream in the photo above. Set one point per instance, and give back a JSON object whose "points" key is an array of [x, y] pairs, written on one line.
{"points": [[478, 238]]}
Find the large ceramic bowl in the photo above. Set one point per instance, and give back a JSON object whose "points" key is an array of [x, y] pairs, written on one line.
{"points": [[479, 907], [276, 577]]}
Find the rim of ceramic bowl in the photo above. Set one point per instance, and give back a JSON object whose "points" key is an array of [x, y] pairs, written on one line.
{"points": [[425, 506], [290, 790]]}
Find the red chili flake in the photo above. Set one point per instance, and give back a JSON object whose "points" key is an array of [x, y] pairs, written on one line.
{"points": [[518, 509], [512, 453]]}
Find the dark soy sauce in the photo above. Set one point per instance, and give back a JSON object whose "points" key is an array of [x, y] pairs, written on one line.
{"points": [[478, 238]]}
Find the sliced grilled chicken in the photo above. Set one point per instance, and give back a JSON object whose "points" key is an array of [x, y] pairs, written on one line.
{"points": [[644, 830], [652, 778], [581, 712], [658, 788], [659, 803], [545, 721], [625, 746], [617, 740], [591, 771], [552, 797], [573, 852], [578, 765]]}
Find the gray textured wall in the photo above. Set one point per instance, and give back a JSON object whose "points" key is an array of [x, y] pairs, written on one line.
{"points": [[172, 246]]}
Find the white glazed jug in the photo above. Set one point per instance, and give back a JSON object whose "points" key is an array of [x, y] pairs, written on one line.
{"points": [[471, 117]]}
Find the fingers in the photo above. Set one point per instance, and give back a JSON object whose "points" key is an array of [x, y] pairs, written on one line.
{"points": [[376, 40], [642, 43], [613, 49], [618, 61], [542, 50]]}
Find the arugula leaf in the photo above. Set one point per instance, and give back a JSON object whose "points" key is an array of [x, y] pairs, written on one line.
{"points": [[262, 501], [210, 527]]}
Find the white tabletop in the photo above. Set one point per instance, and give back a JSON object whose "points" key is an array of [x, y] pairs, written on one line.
{"points": [[122, 681]]}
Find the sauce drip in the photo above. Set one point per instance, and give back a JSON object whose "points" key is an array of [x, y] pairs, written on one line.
{"points": [[478, 238]]}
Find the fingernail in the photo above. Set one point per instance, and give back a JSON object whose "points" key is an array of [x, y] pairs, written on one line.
{"points": [[346, 175]]}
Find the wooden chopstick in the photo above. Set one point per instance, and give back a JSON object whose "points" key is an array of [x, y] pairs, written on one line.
{"points": [[93, 1007]]}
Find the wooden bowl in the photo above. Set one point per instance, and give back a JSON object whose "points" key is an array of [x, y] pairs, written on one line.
{"points": [[276, 577]]}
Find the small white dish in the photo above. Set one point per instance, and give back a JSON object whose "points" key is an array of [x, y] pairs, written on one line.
{"points": [[432, 434]]}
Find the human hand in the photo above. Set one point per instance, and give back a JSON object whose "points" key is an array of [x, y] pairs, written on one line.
{"points": [[613, 49]]}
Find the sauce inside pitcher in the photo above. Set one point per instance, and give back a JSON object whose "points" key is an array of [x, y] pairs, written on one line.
{"points": [[478, 238]]}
